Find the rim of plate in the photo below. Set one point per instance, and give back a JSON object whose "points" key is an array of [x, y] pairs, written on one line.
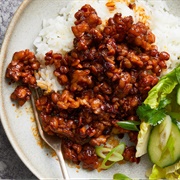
{"points": [[3, 115]]}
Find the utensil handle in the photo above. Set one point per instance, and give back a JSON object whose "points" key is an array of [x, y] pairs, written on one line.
{"points": [[62, 165]]}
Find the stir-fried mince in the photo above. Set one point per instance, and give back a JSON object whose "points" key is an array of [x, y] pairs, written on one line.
{"points": [[106, 76], [22, 68]]}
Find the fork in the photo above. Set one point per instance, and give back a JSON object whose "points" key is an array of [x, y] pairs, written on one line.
{"points": [[53, 141]]}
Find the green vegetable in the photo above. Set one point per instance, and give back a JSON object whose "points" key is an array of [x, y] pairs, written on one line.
{"points": [[129, 125], [163, 140], [170, 172], [110, 155], [164, 144], [120, 176], [143, 138], [178, 95], [152, 116], [177, 123], [102, 152], [164, 132], [163, 98], [173, 108], [177, 72], [157, 172], [173, 171], [164, 87], [170, 147]]}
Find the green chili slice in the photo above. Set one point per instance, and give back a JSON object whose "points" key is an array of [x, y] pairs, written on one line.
{"points": [[129, 125]]}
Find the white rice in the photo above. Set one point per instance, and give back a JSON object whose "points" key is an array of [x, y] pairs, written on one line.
{"points": [[56, 33], [46, 79]]}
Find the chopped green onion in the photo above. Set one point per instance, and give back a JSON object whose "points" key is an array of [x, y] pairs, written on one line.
{"points": [[112, 155], [120, 176], [129, 125], [100, 150]]}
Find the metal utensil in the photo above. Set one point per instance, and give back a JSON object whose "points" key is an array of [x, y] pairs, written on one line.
{"points": [[53, 141]]}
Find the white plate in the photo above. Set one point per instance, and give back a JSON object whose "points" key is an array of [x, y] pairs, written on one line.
{"points": [[18, 122]]}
